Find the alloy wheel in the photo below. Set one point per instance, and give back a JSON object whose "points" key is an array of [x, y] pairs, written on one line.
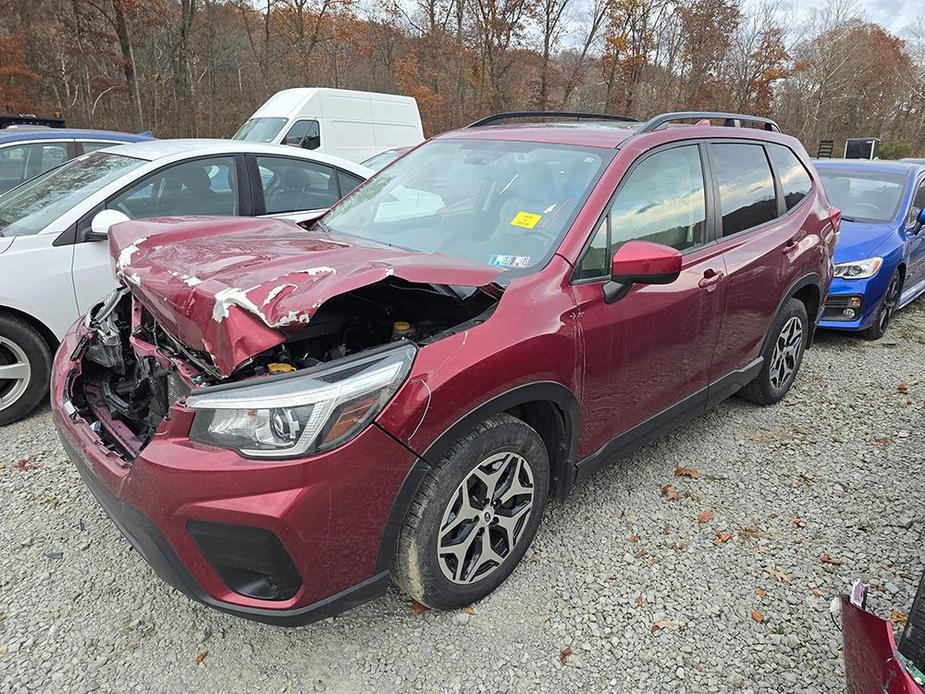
{"points": [[15, 372], [485, 518], [786, 353], [888, 306]]}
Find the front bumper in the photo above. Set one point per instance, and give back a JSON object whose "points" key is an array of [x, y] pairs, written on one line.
{"points": [[868, 293], [327, 511]]}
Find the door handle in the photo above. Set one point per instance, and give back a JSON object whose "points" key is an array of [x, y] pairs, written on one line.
{"points": [[710, 279], [791, 243]]}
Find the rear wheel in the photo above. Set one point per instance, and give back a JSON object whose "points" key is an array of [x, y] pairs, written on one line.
{"points": [[887, 308], [474, 515], [782, 355], [25, 363]]}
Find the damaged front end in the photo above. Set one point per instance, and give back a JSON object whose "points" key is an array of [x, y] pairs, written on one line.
{"points": [[324, 382]]}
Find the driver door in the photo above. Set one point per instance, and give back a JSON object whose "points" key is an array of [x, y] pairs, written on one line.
{"points": [[915, 240], [207, 186], [647, 358]]}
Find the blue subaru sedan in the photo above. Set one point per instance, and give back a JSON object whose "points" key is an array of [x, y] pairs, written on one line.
{"points": [[28, 150], [880, 255]]}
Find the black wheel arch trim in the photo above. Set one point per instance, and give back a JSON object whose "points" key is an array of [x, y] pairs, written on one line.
{"points": [[813, 278], [561, 461]]}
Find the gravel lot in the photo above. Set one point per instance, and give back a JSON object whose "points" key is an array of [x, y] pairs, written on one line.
{"points": [[731, 570]]}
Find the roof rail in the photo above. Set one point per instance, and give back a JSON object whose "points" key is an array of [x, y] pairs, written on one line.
{"points": [[32, 120], [577, 115], [732, 120]]}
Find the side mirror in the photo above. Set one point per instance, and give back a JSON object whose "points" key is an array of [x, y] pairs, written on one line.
{"points": [[102, 222], [292, 141], [641, 262], [920, 220]]}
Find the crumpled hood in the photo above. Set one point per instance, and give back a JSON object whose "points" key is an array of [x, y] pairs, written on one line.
{"points": [[860, 240], [234, 287]]}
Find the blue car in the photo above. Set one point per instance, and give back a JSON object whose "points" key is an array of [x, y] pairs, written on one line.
{"points": [[880, 255], [28, 150]]}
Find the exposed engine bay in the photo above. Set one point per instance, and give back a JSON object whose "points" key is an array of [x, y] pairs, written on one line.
{"points": [[132, 370]]}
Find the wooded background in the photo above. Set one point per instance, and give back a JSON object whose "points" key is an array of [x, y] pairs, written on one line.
{"points": [[201, 67]]}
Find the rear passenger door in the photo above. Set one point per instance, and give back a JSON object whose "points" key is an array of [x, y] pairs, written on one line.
{"points": [[915, 239], [759, 233], [291, 187]]}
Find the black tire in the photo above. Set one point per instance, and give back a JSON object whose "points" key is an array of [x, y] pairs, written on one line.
{"points": [[417, 569], [886, 309], [19, 342], [770, 386]]}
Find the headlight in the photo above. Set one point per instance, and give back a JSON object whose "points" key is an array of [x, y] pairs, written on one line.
{"points": [[299, 413], [858, 269]]}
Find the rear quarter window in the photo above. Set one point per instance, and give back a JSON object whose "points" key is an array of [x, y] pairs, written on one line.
{"points": [[795, 181]]}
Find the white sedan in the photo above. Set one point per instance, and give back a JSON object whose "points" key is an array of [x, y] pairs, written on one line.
{"points": [[53, 266]]}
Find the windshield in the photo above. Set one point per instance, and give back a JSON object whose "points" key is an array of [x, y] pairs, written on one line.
{"points": [[498, 203], [864, 196], [32, 206], [260, 129]]}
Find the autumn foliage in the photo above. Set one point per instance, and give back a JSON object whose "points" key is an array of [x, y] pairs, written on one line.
{"points": [[201, 67]]}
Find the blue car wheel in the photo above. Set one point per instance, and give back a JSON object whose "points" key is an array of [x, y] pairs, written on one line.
{"points": [[887, 308]]}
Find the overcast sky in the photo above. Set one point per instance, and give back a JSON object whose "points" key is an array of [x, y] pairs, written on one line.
{"points": [[905, 18]]}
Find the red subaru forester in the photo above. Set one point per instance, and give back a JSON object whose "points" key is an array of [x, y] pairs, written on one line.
{"points": [[281, 419]]}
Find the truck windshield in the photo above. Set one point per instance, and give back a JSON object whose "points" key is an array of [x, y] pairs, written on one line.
{"points": [[35, 204], [498, 203], [867, 196], [260, 129]]}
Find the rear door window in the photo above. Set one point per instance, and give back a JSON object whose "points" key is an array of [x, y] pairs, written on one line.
{"points": [[293, 185], [795, 181], [746, 186]]}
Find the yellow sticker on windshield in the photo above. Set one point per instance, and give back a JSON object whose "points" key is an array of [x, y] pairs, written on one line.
{"points": [[527, 220]]}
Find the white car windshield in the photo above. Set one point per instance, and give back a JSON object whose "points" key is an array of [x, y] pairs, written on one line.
{"points": [[30, 207], [260, 129], [500, 203]]}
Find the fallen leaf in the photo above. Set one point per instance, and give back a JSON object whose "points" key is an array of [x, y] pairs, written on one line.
{"points": [[634, 538], [797, 521], [663, 624], [761, 549], [687, 472], [641, 553], [883, 440], [682, 545], [722, 537], [898, 617], [705, 517], [902, 388], [201, 657], [564, 654], [469, 609], [760, 592], [670, 492], [757, 616], [779, 575], [815, 592], [417, 607], [826, 559], [26, 463], [639, 600]]}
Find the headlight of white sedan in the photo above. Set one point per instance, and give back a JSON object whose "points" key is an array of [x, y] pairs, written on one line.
{"points": [[858, 269], [299, 413]]}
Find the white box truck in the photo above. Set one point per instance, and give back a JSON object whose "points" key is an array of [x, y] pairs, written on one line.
{"points": [[350, 124]]}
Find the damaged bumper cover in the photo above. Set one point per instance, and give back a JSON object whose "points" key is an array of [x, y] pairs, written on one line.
{"points": [[286, 542]]}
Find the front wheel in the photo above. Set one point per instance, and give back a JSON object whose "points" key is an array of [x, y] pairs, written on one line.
{"points": [[474, 515], [25, 363], [887, 308], [783, 355]]}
